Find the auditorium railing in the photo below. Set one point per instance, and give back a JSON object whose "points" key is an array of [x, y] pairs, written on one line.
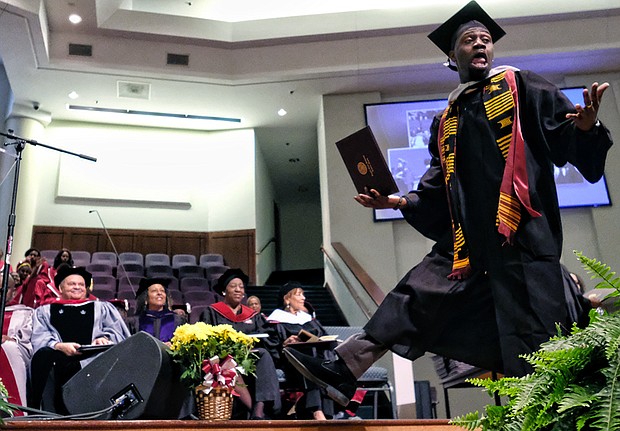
{"points": [[366, 281]]}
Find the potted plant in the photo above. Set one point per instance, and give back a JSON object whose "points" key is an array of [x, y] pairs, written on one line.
{"points": [[5, 406], [212, 356], [576, 380]]}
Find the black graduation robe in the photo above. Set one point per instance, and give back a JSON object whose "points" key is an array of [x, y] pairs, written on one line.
{"points": [[264, 386], [515, 297]]}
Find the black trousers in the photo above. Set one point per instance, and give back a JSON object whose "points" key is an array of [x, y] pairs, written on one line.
{"points": [[50, 366]]}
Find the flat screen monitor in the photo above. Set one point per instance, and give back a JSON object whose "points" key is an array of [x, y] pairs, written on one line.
{"points": [[404, 129]]}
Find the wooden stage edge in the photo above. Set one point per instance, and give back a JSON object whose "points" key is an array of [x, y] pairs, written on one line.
{"points": [[285, 425]]}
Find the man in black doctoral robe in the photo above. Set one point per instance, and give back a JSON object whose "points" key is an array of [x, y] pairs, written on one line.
{"points": [[491, 289]]}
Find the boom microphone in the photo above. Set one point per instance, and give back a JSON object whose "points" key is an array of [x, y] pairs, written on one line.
{"points": [[114, 248]]}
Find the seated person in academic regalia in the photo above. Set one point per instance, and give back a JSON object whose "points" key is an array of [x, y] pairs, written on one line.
{"points": [[61, 328], [264, 391], [16, 349], [153, 314]]}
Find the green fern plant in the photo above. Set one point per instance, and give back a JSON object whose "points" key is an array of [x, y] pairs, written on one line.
{"points": [[576, 380]]}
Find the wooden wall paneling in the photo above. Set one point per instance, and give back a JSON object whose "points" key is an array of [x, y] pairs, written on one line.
{"points": [[123, 241], [238, 248], [187, 243], [151, 243], [82, 240], [48, 239]]}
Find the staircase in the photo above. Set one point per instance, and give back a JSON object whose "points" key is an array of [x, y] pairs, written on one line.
{"points": [[325, 307]]}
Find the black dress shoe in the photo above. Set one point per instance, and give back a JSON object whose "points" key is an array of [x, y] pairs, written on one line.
{"points": [[333, 376]]}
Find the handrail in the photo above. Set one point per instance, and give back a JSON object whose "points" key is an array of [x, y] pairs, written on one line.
{"points": [[354, 294], [273, 239], [369, 285]]}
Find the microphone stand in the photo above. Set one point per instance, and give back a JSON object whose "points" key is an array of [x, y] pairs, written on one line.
{"points": [[20, 144], [121, 264]]}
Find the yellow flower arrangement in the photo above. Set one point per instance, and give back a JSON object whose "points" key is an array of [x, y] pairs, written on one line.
{"points": [[194, 345]]}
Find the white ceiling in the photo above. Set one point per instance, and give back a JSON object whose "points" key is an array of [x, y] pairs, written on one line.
{"points": [[248, 59]]}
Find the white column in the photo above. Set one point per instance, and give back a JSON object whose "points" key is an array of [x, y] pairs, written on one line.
{"points": [[27, 123]]}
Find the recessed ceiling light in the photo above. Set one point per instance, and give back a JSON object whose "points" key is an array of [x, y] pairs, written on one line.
{"points": [[281, 112], [75, 18], [73, 95]]}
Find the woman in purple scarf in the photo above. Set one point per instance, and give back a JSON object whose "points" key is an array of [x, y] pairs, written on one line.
{"points": [[153, 312]]}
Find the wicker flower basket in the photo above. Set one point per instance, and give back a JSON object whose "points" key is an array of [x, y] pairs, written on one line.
{"points": [[214, 406]]}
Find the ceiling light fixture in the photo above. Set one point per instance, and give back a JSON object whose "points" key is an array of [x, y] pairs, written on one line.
{"points": [[151, 113], [73, 95], [281, 112], [74, 18]]}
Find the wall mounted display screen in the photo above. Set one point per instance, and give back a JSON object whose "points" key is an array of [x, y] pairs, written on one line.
{"points": [[404, 129]]}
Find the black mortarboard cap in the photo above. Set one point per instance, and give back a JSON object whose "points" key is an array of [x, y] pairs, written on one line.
{"points": [[226, 278], [442, 36], [146, 282], [65, 271]]}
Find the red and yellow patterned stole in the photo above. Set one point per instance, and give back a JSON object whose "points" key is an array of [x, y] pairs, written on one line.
{"points": [[501, 105]]}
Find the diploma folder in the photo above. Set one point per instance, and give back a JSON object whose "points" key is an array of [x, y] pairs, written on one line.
{"points": [[365, 163]]}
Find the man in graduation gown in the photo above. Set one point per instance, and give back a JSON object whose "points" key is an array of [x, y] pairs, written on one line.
{"points": [[491, 289], [61, 328]]}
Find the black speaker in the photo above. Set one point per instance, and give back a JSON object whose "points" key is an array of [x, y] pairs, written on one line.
{"points": [[137, 374]]}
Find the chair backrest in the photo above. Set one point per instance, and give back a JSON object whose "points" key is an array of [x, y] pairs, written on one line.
{"points": [[215, 269], [159, 271], [175, 296], [193, 283], [126, 283], [104, 282], [125, 293], [191, 271], [211, 259], [131, 257], [179, 260], [99, 268], [197, 310], [156, 259], [80, 258], [49, 255], [205, 297], [129, 269], [104, 294], [104, 257]]}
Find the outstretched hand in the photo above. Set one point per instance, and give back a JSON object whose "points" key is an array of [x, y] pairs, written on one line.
{"points": [[586, 115], [373, 199]]}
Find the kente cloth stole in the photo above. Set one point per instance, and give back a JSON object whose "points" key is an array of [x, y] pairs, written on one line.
{"points": [[501, 105]]}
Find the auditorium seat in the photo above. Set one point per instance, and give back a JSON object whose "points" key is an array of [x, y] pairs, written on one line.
{"points": [[197, 311], [175, 297], [201, 298], [80, 258], [193, 283], [129, 269], [157, 271], [99, 268], [125, 293], [156, 259], [126, 283], [104, 257], [131, 257], [49, 255], [104, 282], [211, 259], [103, 294], [375, 380], [215, 269], [179, 260], [191, 271]]}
